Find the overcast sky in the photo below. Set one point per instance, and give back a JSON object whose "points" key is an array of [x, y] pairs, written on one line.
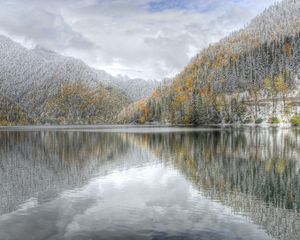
{"points": [[151, 39]]}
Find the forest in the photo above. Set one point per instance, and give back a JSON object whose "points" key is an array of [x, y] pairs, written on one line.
{"points": [[224, 84]]}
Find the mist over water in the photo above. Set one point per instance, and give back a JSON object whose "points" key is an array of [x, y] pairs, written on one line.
{"points": [[159, 184]]}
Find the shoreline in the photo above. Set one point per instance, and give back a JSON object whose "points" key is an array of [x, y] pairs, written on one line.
{"points": [[143, 126]]}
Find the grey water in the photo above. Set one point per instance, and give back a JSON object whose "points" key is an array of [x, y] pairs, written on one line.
{"points": [[149, 183]]}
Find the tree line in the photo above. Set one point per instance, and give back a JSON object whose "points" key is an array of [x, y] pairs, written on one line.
{"points": [[214, 87]]}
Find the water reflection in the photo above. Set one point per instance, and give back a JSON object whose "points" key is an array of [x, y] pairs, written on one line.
{"points": [[257, 162], [217, 184], [42, 164], [254, 171]]}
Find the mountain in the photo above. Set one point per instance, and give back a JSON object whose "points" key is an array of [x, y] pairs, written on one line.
{"points": [[136, 88], [281, 19], [51, 88], [253, 75]]}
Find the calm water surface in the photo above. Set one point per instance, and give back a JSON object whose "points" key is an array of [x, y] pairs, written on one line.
{"points": [[159, 183]]}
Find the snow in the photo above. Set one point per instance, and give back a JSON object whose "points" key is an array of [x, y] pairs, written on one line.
{"points": [[30, 76]]}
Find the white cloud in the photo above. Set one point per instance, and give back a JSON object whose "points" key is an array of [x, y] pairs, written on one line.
{"points": [[126, 36]]}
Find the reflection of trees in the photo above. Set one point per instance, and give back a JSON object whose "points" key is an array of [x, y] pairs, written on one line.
{"points": [[254, 171], [42, 164]]}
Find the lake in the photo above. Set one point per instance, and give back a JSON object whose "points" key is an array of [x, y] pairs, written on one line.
{"points": [[149, 183]]}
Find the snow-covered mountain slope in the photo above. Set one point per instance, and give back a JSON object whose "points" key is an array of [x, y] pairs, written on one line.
{"points": [[30, 76], [32, 79], [23, 71], [136, 88], [281, 19]]}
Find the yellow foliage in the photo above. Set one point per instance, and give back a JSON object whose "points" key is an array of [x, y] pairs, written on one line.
{"points": [[236, 58], [5, 123], [142, 120], [146, 112], [220, 57], [187, 118], [281, 166], [155, 94], [180, 101], [280, 85], [142, 104], [288, 49], [190, 83]]}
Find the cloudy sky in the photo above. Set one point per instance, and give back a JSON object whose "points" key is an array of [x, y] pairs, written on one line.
{"points": [[151, 39]]}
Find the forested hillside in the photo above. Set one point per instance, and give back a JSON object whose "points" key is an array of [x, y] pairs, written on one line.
{"points": [[250, 76], [11, 112], [39, 86]]}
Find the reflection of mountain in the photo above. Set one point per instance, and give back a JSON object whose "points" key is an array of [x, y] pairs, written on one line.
{"points": [[43, 164], [253, 171], [256, 172]]}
